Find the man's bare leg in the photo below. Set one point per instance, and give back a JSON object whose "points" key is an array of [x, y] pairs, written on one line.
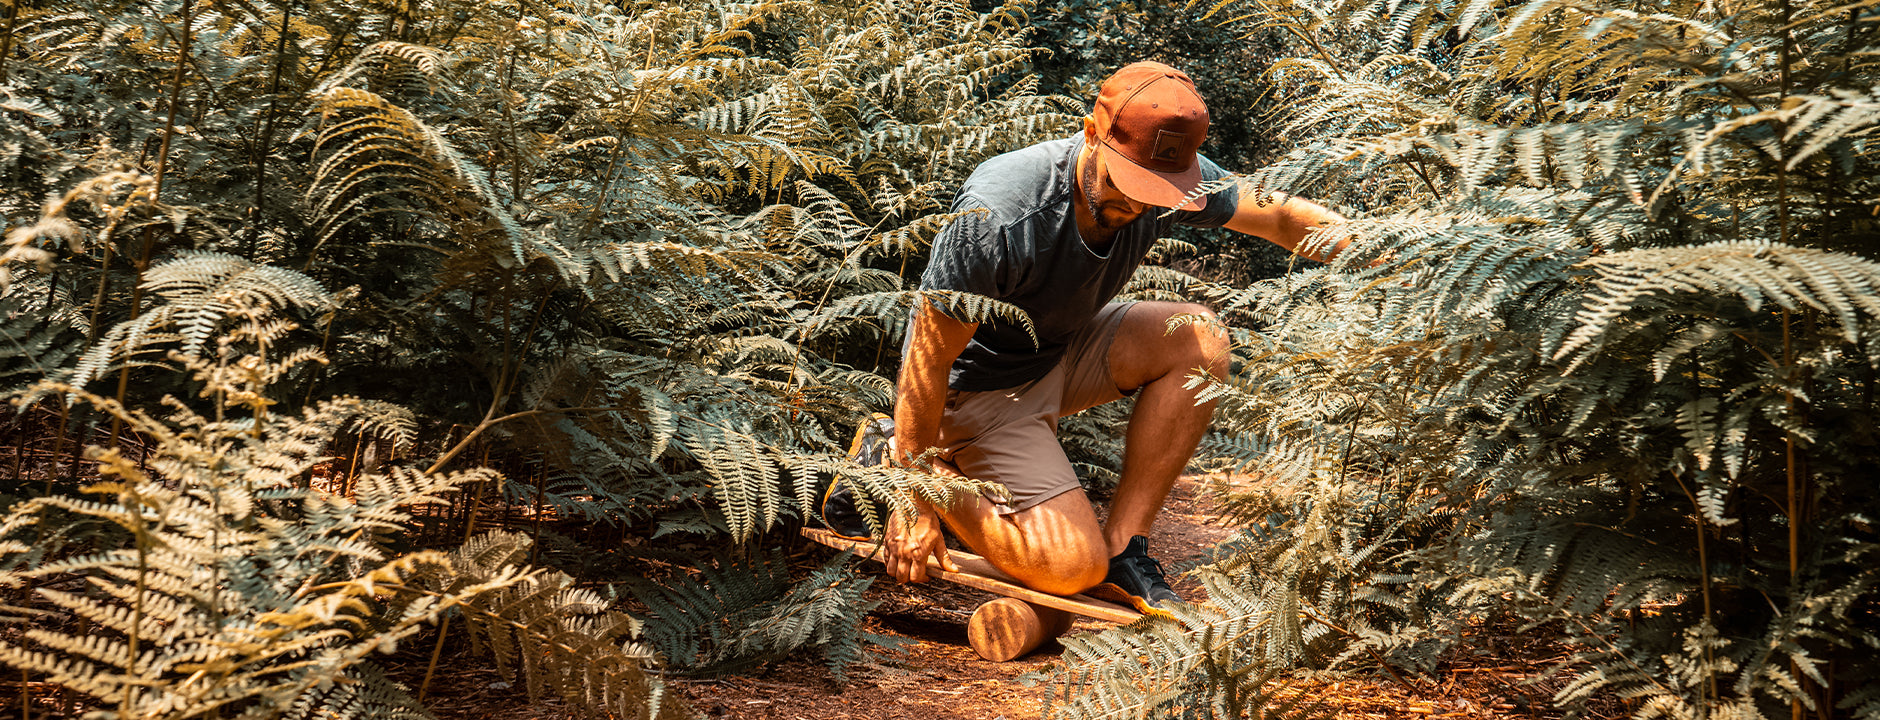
{"points": [[1167, 425], [1056, 546]]}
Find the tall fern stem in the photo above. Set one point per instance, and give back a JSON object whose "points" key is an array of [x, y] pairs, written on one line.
{"points": [[137, 299], [1792, 460], [535, 547], [509, 111], [156, 195], [58, 443], [1703, 574], [141, 535], [437, 651], [1796, 512], [6, 41], [505, 380], [104, 285], [265, 144]]}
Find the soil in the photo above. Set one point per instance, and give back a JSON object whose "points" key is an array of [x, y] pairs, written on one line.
{"points": [[935, 673]]}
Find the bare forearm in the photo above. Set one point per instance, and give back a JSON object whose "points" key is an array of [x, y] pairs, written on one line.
{"points": [[1301, 217], [935, 340], [920, 400], [921, 395], [916, 426], [917, 409], [1286, 221]]}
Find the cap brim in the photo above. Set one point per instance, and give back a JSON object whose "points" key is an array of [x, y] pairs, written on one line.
{"points": [[1150, 187]]}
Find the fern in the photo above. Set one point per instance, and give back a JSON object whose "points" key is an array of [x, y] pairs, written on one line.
{"points": [[363, 692], [1790, 278], [654, 259], [1607, 308], [1199, 665], [201, 290], [549, 635], [209, 601], [33, 347], [741, 613]]}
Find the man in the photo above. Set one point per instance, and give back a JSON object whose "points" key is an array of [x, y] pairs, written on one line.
{"points": [[1058, 229]]}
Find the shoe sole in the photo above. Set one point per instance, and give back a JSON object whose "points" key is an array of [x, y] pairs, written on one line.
{"points": [[1116, 594]]}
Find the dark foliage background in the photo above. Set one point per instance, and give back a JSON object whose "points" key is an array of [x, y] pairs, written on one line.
{"points": [[330, 326]]}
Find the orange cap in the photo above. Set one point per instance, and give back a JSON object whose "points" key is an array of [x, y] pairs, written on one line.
{"points": [[1150, 120]]}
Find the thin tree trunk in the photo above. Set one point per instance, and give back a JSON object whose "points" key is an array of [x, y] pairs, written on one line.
{"points": [[163, 166], [266, 143]]}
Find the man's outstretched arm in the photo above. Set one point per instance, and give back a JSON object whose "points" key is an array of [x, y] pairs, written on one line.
{"points": [[1285, 221], [936, 341]]}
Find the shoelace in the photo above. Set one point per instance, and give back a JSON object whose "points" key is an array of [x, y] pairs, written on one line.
{"points": [[1151, 567]]}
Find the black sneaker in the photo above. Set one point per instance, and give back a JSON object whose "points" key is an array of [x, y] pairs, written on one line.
{"points": [[838, 505], [1137, 580]]}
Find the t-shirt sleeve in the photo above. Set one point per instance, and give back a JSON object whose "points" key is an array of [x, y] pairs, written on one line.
{"points": [[1221, 203], [968, 254]]}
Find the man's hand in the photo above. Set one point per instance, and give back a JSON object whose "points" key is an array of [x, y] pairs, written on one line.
{"points": [[909, 544]]}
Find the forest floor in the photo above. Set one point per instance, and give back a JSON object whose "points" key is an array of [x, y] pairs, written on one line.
{"points": [[935, 673]]}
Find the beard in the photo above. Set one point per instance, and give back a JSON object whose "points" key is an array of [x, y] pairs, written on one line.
{"points": [[1109, 216]]}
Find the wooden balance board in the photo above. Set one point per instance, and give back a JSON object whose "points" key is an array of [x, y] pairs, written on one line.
{"points": [[1008, 627]]}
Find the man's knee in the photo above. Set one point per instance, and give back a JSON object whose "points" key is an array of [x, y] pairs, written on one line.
{"points": [[1069, 573], [1056, 546], [1201, 341]]}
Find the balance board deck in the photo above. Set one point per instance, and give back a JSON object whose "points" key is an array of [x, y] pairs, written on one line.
{"points": [[978, 573]]}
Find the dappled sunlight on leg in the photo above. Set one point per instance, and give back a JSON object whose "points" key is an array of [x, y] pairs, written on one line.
{"points": [[1055, 546]]}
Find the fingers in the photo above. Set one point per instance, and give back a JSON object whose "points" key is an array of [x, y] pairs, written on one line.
{"points": [[945, 558], [906, 558], [908, 567], [896, 561], [910, 542], [918, 570]]}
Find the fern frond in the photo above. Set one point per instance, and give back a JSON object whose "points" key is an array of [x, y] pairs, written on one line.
{"points": [[1756, 273]]}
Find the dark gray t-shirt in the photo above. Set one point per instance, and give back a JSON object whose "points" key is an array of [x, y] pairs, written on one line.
{"points": [[1024, 249]]}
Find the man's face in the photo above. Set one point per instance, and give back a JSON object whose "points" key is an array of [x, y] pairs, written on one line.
{"points": [[1108, 205]]}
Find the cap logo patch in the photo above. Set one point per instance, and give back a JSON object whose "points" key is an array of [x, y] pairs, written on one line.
{"points": [[1168, 146]]}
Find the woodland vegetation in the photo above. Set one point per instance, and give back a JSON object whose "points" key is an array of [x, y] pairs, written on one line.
{"points": [[334, 326]]}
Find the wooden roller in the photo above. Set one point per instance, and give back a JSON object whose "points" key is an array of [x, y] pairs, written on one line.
{"points": [[1007, 628]]}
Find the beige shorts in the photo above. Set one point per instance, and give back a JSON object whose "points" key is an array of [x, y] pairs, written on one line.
{"points": [[1010, 436]]}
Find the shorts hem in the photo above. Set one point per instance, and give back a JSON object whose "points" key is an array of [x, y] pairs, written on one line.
{"points": [[1037, 499]]}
